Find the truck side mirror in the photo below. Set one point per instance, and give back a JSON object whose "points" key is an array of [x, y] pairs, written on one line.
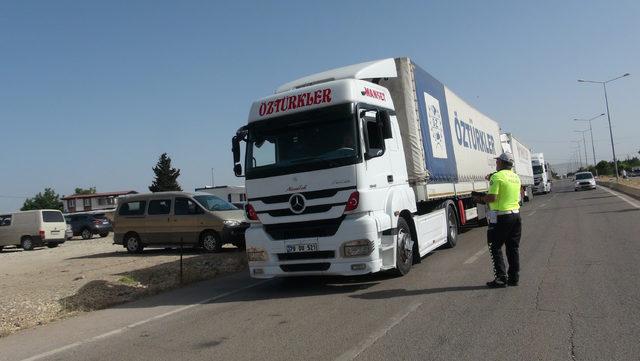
{"points": [[384, 119], [237, 170], [235, 148]]}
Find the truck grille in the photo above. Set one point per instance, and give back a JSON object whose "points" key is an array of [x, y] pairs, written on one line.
{"points": [[322, 228], [311, 209], [284, 198], [305, 267]]}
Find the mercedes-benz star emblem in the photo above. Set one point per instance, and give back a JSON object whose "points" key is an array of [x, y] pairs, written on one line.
{"points": [[296, 203]]}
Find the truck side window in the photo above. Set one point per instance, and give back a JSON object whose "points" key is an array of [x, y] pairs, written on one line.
{"points": [[373, 135]]}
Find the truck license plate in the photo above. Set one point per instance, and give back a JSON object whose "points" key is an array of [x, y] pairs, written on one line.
{"points": [[308, 247]]}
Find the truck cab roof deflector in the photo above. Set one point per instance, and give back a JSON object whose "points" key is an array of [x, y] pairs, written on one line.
{"points": [[385, 68]]}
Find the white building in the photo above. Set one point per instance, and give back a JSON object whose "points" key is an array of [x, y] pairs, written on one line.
{"points": [[233, 194], [92, 202]]}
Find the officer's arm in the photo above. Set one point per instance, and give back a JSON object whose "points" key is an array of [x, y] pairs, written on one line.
{"points": [[494, 187], [490, 198]]}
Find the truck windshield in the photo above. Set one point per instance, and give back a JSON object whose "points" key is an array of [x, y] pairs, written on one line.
{"points": [[537, 169], [303, 142]]}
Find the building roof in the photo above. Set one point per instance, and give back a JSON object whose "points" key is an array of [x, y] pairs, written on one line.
{"points": [[99, 195]]}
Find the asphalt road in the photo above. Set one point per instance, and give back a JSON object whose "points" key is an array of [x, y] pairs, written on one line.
{"points": [[578, 299]]}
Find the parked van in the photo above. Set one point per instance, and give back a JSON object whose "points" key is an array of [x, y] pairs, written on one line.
{"points": [[167, 219], [29, 229]]}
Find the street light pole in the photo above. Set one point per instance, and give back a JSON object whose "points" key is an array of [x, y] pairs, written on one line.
{"points": [[586, 160], [593, 147], [579, 151], [606, 100]]}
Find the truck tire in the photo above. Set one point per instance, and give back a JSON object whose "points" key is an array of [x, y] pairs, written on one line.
{"points": [[26, 243], [404, 248], [104, 234], [133, 243], [86, 233], [210, 242], [452, 227]]}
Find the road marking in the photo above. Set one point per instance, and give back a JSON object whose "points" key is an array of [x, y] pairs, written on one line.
{"points": [[139, 323], [476, 256], [532, 213], [624, 198], [369, 341], [541, 205]]}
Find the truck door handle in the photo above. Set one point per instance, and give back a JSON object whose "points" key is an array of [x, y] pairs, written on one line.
{"points": [[390, 178]]}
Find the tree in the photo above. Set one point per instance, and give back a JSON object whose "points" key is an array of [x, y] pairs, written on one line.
{"points": [[604, 167], [165, 176], [47, 200], [91, 190]]}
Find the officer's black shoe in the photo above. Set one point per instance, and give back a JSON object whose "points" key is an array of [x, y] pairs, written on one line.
{"points": [[512, 282], [497, 283]]}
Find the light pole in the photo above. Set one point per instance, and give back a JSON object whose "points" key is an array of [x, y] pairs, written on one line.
{"points": [[606, 100], [586, 161], [579, 154], [593, 147]]}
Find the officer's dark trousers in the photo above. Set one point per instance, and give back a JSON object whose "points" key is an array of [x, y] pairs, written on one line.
{"points": [[505, 232]]}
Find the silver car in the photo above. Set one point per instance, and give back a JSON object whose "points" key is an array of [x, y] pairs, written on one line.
{"points": [[584, 180]]}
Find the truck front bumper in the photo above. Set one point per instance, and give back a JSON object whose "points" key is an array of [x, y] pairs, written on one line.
{"points": [[329, 258]]}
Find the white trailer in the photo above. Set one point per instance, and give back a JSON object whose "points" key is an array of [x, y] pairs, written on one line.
{"points": [[360, 169], [522, 165]]}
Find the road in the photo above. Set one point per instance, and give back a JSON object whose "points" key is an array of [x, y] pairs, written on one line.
{"points": [[578, 299]]}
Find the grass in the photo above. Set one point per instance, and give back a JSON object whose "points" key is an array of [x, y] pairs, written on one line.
{"points": [[128, 280]]}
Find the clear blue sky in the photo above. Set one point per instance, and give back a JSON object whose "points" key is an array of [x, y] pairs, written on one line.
{"points": [[91, 92]]}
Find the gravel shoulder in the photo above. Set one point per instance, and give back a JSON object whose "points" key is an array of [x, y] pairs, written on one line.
{"points": [[45, 285]]}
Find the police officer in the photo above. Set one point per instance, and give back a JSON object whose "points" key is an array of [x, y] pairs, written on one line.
{"points": [[504, 221]]}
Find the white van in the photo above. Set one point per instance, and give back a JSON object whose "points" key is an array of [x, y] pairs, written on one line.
{"points": [[29, 229]]}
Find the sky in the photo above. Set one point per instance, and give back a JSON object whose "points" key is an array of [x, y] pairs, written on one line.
{"points": [[92, 92]]}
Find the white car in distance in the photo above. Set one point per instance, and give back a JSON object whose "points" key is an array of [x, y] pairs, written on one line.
{"points": [[584, 180]]}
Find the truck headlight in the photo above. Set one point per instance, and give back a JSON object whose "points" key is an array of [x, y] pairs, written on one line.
{"points": [[357, 248], [255, 254], [231, 223]]}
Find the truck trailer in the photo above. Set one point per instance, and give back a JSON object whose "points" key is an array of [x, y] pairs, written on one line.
{"points": [[522, 165], [360, 169]]}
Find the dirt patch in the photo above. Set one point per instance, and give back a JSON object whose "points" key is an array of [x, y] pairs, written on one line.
{"points": [[50, 284]]}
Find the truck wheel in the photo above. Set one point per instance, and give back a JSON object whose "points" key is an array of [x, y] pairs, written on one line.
{"points": [[133, 243], [210, 242], [104, 234], [404, 248], [26, 243], [452, 227], [86, 233]]}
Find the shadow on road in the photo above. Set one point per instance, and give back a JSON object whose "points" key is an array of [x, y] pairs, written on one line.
{"points": [[151, 253], [589, 198], [385, 294], [618, 211]]}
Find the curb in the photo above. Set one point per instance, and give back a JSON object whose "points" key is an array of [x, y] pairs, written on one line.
{"points": [[630, 191]]}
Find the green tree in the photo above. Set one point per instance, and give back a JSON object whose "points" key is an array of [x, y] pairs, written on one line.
{"points": [[604, 167], [91, 190], [165, 176], [47, 200]]}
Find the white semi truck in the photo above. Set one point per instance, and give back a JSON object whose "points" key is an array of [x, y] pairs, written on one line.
{"points": [[522, 165], [541, 174], [360, 169]]}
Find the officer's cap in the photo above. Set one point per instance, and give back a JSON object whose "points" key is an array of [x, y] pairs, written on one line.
{"points": [[506, 157]]}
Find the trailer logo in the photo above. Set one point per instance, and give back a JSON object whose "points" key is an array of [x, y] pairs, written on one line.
{"points": [[296, 203], [436, 129], [367, 92], [295, 101]]}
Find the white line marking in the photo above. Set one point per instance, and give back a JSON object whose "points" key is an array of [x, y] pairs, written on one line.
{"points": [[476, 256], [541, 205], [532, 213], [372, 338], [624, 198], [139, 323]]}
